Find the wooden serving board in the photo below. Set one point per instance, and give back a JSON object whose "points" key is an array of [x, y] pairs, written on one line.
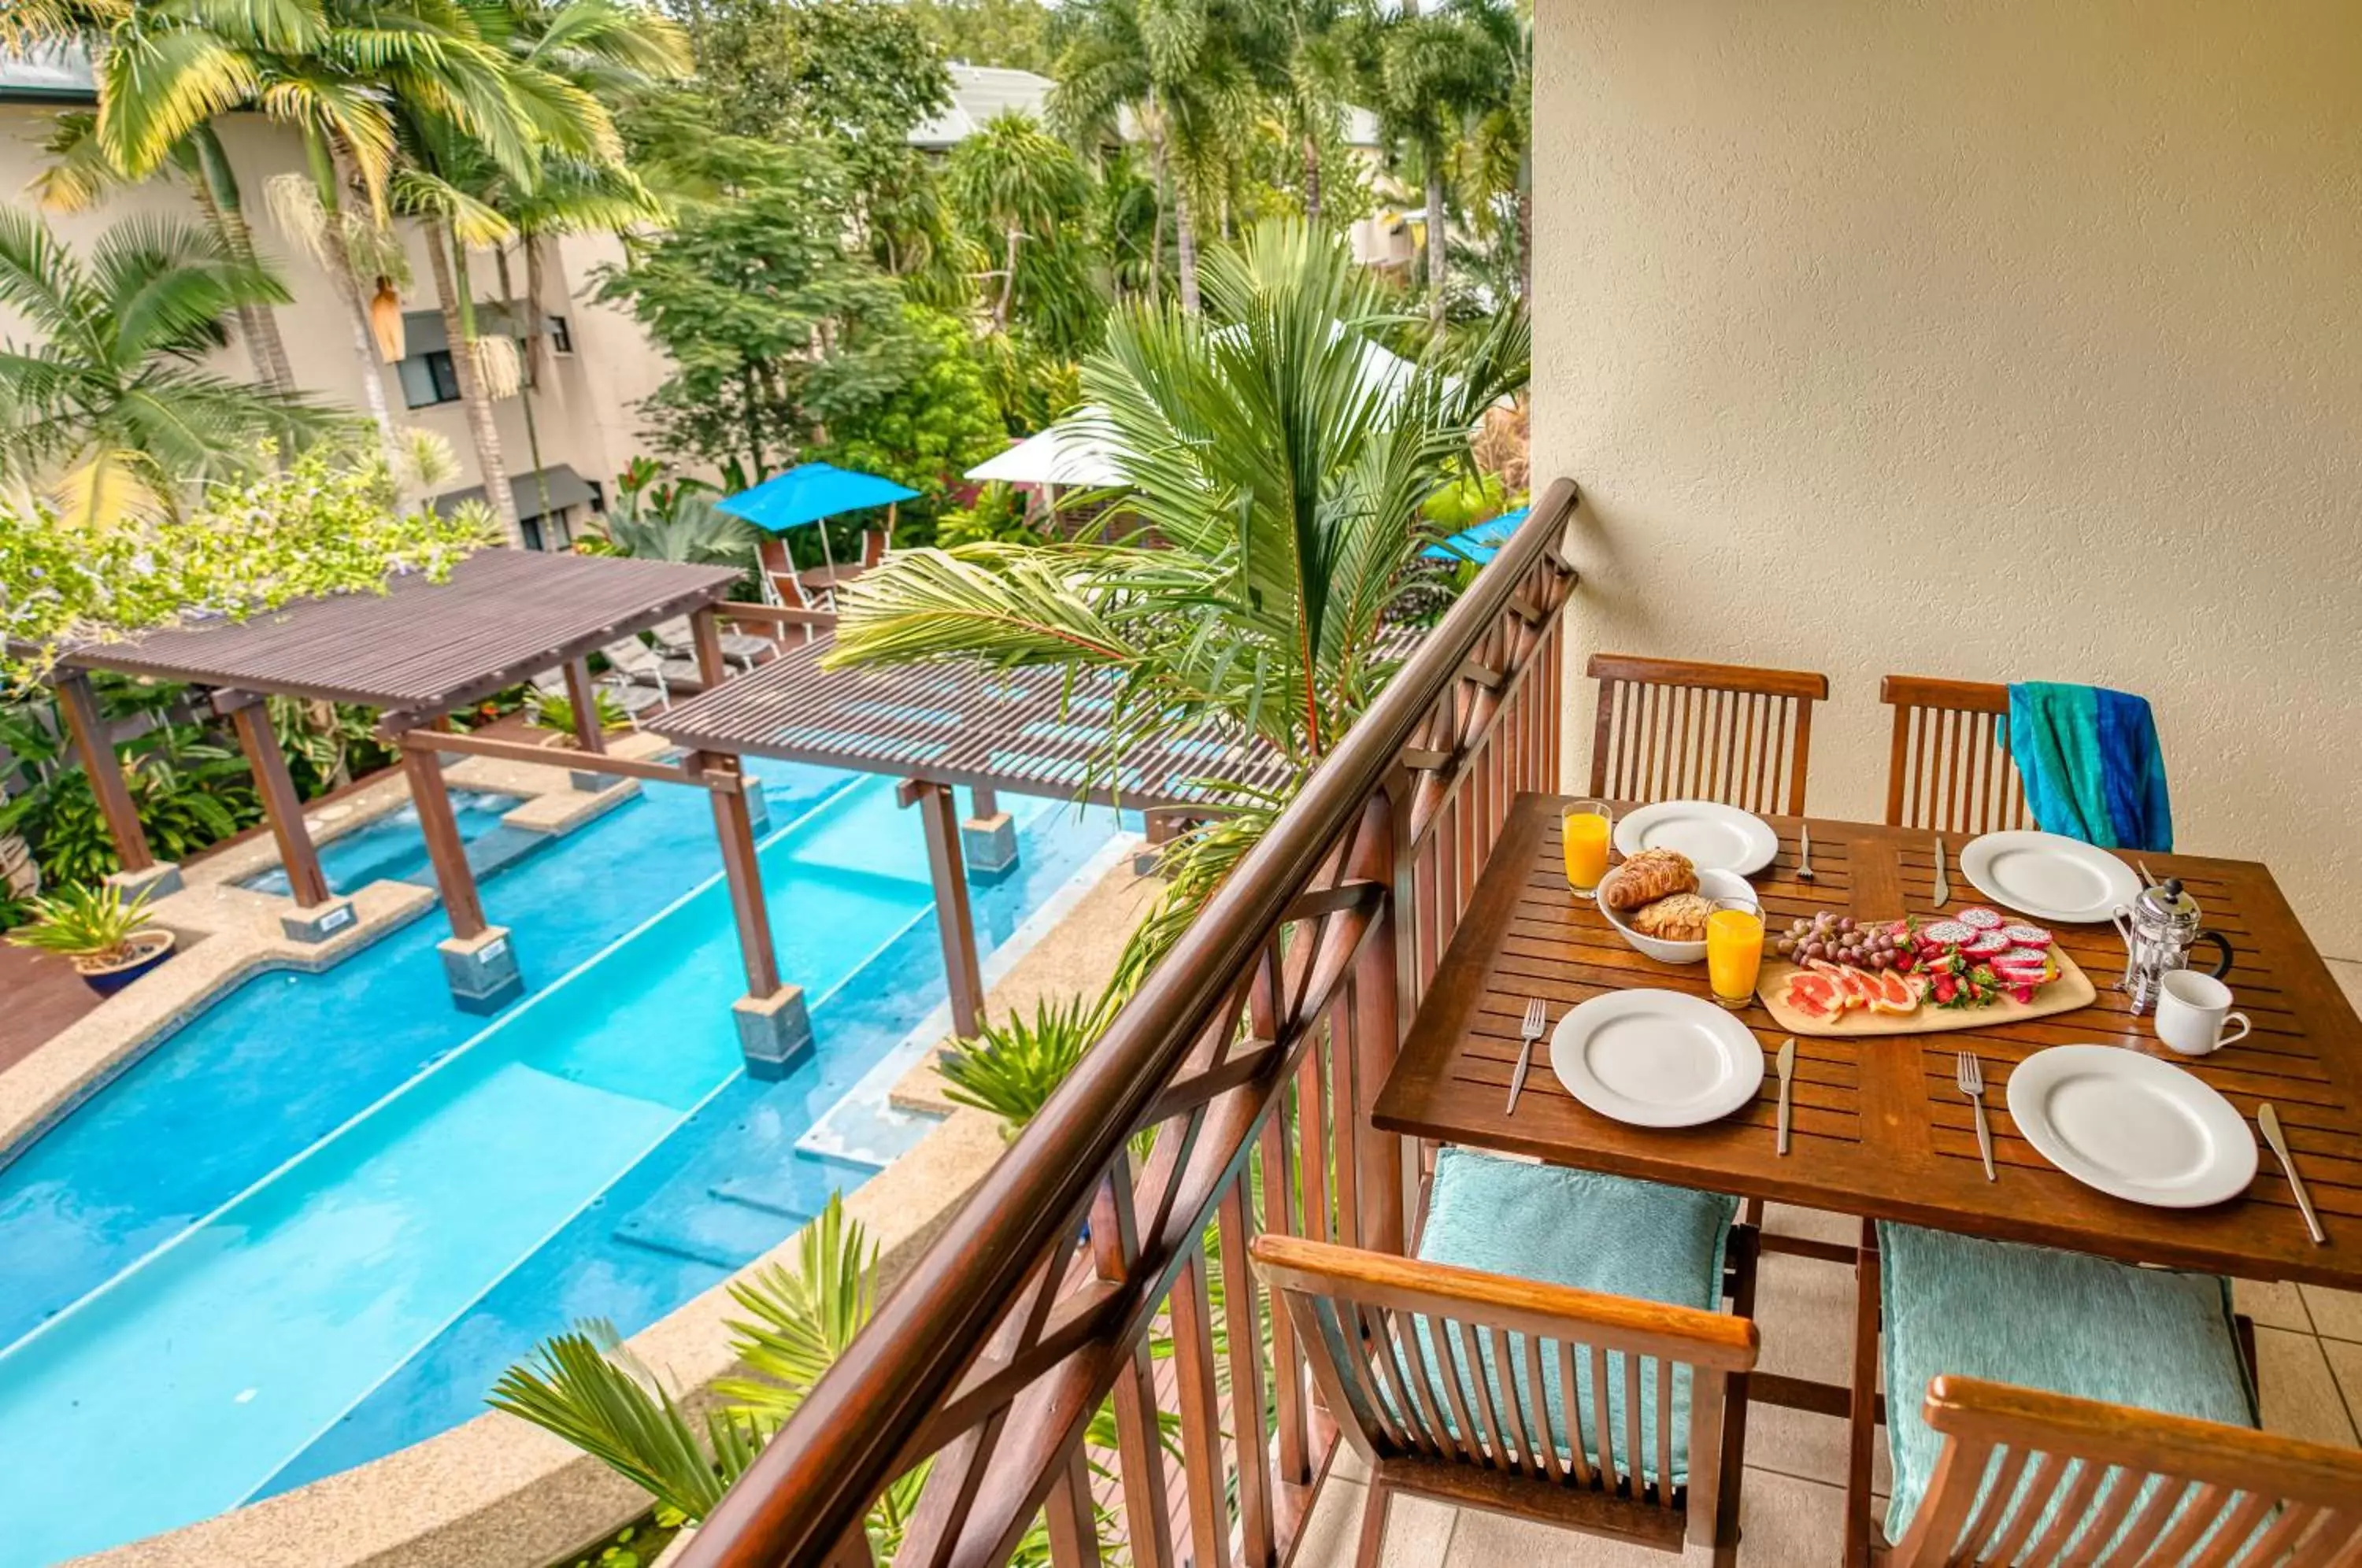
{"points": [[2070, 990]]}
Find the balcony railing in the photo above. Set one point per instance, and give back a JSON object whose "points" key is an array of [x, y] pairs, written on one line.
{"points": [[1253, 1052]]}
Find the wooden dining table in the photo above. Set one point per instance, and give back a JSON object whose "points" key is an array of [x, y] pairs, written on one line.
{"points": [[1880, 1129]]}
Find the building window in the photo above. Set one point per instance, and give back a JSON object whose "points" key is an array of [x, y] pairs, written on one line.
{"points": [[428, 378], [561, 338]]}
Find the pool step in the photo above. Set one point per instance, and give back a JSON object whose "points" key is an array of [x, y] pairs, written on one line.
{"points": [[727, 1231]]}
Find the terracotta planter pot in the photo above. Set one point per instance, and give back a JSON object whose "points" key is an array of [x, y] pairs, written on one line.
{"points": [[149, 949]]}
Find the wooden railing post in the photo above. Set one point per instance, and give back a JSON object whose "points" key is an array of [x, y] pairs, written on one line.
{"points": [[1385, 973]]}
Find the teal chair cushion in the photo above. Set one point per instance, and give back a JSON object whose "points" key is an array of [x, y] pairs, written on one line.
{"points": [[2066, 1322], [1595, 1232]]}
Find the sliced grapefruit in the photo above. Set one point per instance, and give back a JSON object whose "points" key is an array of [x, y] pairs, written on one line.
{"points": [[1895, 994], [1814, 995]]}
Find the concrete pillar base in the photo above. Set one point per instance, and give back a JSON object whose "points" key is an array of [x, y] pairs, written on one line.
{"points": [[988, 844], [1146, 858], [589, 781], [318, 922], [161, 880], [759, 810], [482, 970], [775, 1032]]}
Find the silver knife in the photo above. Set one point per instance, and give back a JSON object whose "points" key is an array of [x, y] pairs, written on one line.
{"points": [[1943, 883], [1787, 1073], [2270, 1120]]}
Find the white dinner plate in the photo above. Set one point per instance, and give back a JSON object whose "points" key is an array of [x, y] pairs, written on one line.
{"points": [[2048, 876], [2132, 1125], [1656, 1058], [1715, 836]]}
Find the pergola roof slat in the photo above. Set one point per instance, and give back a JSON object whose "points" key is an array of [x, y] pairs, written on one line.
{"points": [[1021, 731], [422, 645]]}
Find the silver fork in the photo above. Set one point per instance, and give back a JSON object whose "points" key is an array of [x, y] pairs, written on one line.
{"points": [[1803, 853], [1943, 883], [1972, 1084], [1528, 1034]]}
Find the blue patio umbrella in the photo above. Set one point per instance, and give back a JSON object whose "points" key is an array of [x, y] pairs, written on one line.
{"points": [[812, 492], [1481, 543]]}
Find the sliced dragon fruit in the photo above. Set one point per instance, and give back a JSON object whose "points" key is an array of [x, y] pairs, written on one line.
{"points": [[2027, 936], [1947, 932], [1981, 918], [1988, 945], [2021, 958]]}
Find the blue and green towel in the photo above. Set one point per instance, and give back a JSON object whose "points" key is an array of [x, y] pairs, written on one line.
{"points": [[2092, 765]]}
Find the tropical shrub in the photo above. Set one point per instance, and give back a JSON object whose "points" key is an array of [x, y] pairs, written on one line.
{"points": [[328, 521], [546, 712], [1012, 1067], [108, 412], [996, 516], [96, 924], [929, 431], [327, 745], [191, 791]]}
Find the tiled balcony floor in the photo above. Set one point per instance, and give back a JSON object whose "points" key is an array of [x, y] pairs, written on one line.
{"points": [[2308, 1348]]}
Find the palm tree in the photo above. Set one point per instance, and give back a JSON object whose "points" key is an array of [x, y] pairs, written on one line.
{"points": [[1284, 479], [1181, 68], [1313, 83], [344, 73], [1500, 150], [1022, 185], [113, 410], [1427, 74]]}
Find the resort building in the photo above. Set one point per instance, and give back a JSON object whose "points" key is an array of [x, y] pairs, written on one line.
{"points": [[602, 364]]}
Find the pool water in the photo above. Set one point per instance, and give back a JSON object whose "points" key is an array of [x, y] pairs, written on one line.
{"points": [[314, 1224], [391, 848]]}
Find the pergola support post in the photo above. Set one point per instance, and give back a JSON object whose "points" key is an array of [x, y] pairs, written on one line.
{"points": [[938, 814], [990, 837], [480, 962], [319, 914], [141, 872], [774, 1025]]}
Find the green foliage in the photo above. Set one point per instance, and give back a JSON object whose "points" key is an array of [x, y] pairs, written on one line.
{"points": [[996, 517], [930, 428], [1013, 1066], [742, 293], [634, 1546], [95, 924], [544, 712], [328, 744], [326, 522], [1469, 500], [690, 528], [1012, 34], [1032, 387], [1028, 204], [189, 791], [109, 413]]}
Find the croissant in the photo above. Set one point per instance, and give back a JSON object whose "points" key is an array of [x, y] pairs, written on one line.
{"points": [[1681, 917], [1648, 876]]}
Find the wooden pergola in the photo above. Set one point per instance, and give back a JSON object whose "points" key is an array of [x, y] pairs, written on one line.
{"points": [[935, 726], [418, 652]]}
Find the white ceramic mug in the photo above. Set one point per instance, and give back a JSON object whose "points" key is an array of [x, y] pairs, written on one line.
{"points": [[2192, 1009]]}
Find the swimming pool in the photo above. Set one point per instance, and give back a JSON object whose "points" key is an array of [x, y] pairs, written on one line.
{"points": [[391, 848], [314, 1224]]}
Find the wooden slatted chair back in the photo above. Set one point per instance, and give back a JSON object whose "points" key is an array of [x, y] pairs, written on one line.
{"points": [[1949, 766], [1394, 1345], [1666, 729], [2079, 1481]]}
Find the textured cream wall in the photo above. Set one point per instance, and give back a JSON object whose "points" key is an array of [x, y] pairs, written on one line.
{"points": [[2005, 340]]}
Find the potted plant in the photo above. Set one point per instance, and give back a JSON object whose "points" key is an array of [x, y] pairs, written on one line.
{"points": [[113, 941]]}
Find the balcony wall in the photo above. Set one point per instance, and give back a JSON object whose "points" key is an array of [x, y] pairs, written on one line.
{"points": [[1992, 341]]}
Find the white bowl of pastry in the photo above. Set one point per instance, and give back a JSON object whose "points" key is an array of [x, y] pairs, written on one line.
{"points": [[1662, 927]]}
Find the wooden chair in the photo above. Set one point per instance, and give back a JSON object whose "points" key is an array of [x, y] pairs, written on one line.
{"points": [[1949, 768], [1666, 729], [1366, 1318], [2163, 1489]]}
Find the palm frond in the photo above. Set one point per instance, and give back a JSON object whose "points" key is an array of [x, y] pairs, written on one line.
{"points": [[1007, 604], [159, 84]]}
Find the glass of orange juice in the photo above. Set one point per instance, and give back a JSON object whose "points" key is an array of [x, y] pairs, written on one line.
{"points": [[1583, 832], [1733, 950]]}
